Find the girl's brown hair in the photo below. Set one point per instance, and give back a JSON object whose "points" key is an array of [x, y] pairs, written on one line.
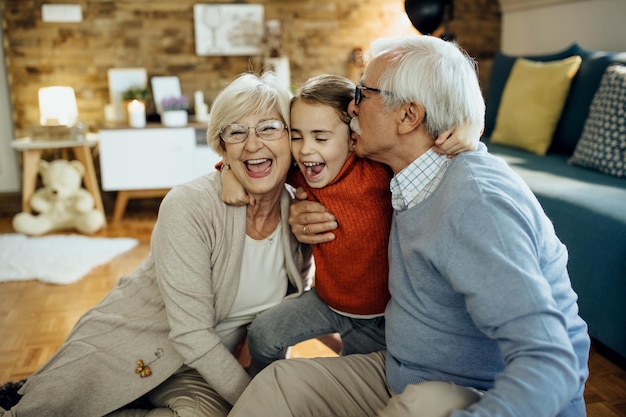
{"points": [[329, 90]]}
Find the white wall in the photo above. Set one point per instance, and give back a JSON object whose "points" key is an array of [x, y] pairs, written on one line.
{"points": [[9, 172], [545, 26]]}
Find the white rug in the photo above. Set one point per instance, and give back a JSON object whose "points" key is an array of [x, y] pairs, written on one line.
{"points": [[56, 259]]}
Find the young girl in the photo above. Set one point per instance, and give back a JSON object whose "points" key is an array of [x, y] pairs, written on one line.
{"points": [[350, 292]]}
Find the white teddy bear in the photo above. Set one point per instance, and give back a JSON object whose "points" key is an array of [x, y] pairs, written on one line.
{"points": [[61, 204]]}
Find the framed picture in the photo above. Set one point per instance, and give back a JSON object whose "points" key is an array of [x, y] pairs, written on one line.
{"points": [[119, 80], [164, 87], [228, 29]]}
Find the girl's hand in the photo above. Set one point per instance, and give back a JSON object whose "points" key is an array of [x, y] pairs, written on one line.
{"points": [[242, 353], [232, 191], [460, 139]]}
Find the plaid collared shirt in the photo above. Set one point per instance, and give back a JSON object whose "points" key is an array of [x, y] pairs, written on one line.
{"points": [[418, 180]]}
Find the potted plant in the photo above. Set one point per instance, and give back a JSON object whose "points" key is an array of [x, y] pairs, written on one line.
{"points": [[136, 93], [174, 111]]}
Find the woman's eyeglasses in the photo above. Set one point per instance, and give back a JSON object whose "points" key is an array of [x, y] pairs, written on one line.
{"points": [[267, 130], [358, 92]]}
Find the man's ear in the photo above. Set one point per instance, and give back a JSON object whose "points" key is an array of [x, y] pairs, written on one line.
{"points": [[411, 117]]}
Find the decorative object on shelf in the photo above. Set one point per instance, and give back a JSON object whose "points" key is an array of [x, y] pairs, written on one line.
{"points": [[135, 93], [174, 111], [136, 114], [200, 107], [109, 112], [163, 87], [357, 61], [121, 80], [77, 132]]}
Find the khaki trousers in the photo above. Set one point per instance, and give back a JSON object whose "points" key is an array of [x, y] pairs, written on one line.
{"points": [[346, 386], [184, 394]]}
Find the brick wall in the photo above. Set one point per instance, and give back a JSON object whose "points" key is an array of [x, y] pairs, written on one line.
{"points": [[319, 37]]}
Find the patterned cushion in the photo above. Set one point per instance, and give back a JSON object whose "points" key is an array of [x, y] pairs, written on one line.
{"points": [[584, 86], [602, 145]]}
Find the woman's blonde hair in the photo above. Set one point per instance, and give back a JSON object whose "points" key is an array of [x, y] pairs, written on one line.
{"points": [[248, 93]]}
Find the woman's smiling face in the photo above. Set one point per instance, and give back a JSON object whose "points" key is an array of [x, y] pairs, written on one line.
{"points": [[260, 165], [320, 142]]}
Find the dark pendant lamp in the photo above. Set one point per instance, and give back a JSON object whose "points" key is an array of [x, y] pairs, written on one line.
{"points": [[427, 15]]}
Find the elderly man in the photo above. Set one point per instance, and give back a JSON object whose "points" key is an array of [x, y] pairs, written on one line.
{"points": [[482, 320]]}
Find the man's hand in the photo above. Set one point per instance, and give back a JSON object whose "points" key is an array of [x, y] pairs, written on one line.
{"points": [[310, 221]]}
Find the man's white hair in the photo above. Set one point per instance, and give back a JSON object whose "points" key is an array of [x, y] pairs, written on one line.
{"points": [[381, 45], [435, 73]]}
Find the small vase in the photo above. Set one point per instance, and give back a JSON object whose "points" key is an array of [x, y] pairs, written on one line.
{"points": [[174, 118]]}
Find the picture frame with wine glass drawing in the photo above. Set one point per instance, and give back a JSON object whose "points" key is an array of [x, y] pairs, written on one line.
{"points": [[228, 29]]}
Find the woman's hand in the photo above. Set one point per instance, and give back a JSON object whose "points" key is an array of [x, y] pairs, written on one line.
{"points": [[310, 221], [460, 139]]}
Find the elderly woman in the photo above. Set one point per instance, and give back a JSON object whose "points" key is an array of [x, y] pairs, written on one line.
{"points": [[172, 328]]}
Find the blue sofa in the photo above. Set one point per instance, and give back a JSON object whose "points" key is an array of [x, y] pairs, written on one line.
{"points": [[587, 207]]}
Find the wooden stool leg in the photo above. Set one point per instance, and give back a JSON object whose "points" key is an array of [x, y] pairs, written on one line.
{"points": [[30, 169], [120, 205], [83, 154]]}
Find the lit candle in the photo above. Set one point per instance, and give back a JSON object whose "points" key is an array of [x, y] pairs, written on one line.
{"points": [[136, 114]]}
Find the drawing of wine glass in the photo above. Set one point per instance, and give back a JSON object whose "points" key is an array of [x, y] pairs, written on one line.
{"points": [[212, 19]]}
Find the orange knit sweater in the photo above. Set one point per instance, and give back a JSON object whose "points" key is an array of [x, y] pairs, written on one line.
{"points": [[352, 271]]}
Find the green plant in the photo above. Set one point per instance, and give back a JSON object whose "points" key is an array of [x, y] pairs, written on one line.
{"points": [[136, 93]]}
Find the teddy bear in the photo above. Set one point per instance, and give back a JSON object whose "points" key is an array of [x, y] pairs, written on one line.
{"points": [[61, 203]]}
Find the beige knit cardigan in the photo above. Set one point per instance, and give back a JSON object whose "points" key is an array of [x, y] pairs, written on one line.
{"points": [[164, 313]]}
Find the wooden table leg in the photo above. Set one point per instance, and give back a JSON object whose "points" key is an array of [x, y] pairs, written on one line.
{"points": [[124, 195], [120, 206], [83, 154], [30, 169]]}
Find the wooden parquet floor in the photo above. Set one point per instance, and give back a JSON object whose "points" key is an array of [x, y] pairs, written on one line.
{"points": [[35, 318]]}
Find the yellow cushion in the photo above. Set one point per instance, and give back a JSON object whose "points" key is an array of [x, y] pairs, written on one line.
{"points": [[532, 101]]}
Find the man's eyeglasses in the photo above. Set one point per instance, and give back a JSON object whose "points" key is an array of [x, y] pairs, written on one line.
{"points": [[358, 92], [267, 130]]}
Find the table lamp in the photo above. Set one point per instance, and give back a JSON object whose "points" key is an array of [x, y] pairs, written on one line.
{"points": [[57, 106]]}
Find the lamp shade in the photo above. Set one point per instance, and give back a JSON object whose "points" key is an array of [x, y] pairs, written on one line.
{"points": [[425, 15], [57, 106]]}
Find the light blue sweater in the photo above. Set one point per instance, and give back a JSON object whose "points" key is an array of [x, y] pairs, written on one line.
{"points": [[481, 296]]}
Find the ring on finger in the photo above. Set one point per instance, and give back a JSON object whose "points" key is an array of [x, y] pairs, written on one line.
{"points": [[304, 230]]}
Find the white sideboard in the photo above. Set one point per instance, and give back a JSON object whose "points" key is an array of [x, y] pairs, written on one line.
{"points": [[147, 162]]}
